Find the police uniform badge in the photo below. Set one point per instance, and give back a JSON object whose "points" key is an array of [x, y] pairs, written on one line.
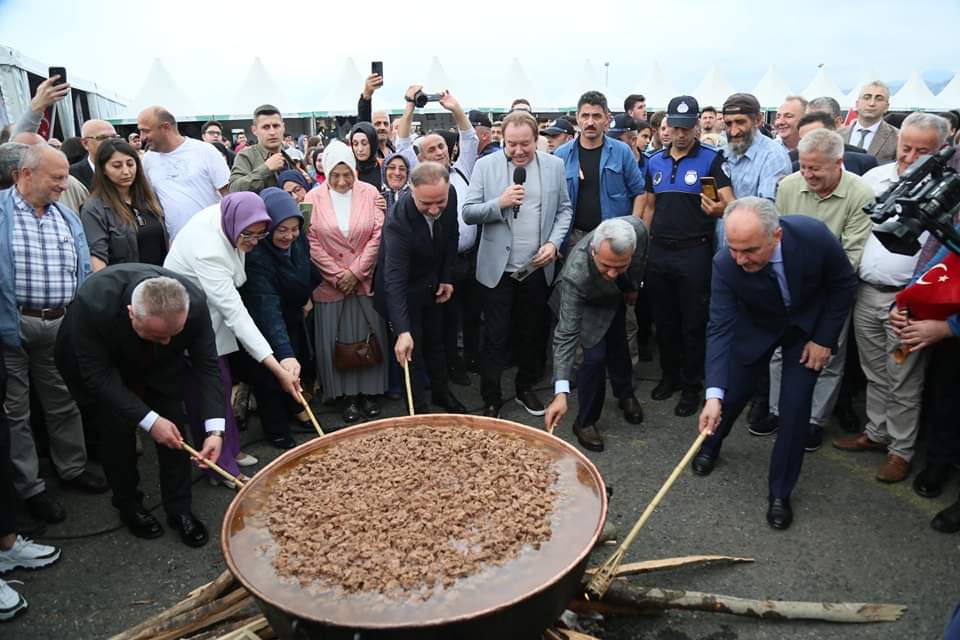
{"points": [[691, 177], [657, 177]]}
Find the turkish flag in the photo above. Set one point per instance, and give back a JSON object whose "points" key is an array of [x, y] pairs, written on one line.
{"points": [[936, 294]]}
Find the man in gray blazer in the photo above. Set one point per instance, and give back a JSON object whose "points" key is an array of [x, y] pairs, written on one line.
{"points": [[603, 271], [519, 199], [870, 131]]}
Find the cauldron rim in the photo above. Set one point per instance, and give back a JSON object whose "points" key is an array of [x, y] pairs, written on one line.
{"points": [[431, 419]]}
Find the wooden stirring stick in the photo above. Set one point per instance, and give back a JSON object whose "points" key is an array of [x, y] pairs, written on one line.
{"points": [[406, 377], [313, 418], [213, 465]]}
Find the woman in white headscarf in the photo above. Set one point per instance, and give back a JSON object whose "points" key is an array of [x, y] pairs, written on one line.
{"points": [[344, 236]]}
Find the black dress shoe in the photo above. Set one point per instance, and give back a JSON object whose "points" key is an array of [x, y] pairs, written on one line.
{"points": [[370, 407], [449, 403], [759, 410], [141, 523], [192, 532], [704, 462], [352, 412], [948, 520], [814, 438], [766, 427], [491, 411], [87, 482], [632, 411], [43, 507], [588, 437], [780, 513], [688, 404], [282, 442], [929, 482], [664, 389]]}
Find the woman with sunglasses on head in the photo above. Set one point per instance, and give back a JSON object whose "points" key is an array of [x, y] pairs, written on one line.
{"points": [[122, 218], [211, 250]]}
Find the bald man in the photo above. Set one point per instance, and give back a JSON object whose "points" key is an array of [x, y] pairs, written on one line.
{"points": [[76, 192], [92, 134], [43, 260]]}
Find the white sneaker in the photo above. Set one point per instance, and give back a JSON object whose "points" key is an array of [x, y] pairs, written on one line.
{"points": [[11, 602], [27, 554], [246, 460]]}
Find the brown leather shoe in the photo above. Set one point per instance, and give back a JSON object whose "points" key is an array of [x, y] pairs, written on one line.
{"points": [[859, 442], [893, 469], [588, 436]]}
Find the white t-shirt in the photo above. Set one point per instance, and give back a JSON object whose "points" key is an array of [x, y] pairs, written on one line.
{"points": [[187, 180]]}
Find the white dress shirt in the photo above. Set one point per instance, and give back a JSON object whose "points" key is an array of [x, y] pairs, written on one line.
{"points": [[855, 134]]}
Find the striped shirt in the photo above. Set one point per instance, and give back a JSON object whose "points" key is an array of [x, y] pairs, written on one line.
{"points": [[44, 257]]}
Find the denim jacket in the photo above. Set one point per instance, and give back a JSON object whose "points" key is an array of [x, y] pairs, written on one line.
{"points": [[9, 312], [620, 177]]}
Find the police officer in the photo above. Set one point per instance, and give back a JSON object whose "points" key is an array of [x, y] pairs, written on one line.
{"points": [[681, 216]]}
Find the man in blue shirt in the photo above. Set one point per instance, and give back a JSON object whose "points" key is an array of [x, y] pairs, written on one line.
{"points": [[603, 179]]}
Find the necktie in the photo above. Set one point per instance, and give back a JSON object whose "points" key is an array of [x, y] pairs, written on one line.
{"points": [[863, 138]]}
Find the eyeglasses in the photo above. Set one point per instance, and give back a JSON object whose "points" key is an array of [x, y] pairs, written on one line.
{"points": [[103, 137], [249, 236]]}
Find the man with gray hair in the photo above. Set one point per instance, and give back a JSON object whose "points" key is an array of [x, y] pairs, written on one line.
{"points": [[784, 283], [602, 272], [822, 189], [894, 388], [10, 155], [123, 350], [830, 106], [43, 260], [870, 132]]}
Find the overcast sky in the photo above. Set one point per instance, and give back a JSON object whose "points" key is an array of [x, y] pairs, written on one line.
{"points": [[207, 45]]}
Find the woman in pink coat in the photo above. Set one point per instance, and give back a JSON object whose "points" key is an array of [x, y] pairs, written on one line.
{"points": [[344, 238]]}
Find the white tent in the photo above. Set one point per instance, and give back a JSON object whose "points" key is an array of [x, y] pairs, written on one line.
{"points": [[914, 95], [515, 84], [159, 88], [342, 99], [822, 85], [588, 78], [656, 88], [257, 87], [436, 78], [949, 96], [771, 90], [713, 89]]}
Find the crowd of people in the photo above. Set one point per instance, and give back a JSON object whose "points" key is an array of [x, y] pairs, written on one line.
{"points": [[148, 278]]}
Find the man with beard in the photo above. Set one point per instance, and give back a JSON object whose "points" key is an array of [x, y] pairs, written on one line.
{"points": [[379, 119]]}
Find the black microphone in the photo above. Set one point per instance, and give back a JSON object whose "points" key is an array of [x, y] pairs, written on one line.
{"points": [[519, 177]]}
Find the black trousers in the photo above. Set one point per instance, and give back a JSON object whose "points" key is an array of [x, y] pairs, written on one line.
{"points": [[426, 327], [514, 313], [119, 457], [462, 311], [8, 495], [609, 356], [679, 290], [275, 406], [941, 403], [796, 396]]}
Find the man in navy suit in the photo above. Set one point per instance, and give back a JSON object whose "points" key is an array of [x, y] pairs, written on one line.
{"points": [[784, 281]]}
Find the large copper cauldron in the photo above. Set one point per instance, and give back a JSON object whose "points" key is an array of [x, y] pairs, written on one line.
{"points": [[518, 600]]}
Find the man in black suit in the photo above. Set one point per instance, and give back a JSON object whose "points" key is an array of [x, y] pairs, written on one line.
{"points": [[121, 348], [92, 134], [783, 282], [417, 253], [854, 159]]}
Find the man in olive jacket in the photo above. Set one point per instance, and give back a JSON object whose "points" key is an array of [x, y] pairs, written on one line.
{"points": [[256, 168]]}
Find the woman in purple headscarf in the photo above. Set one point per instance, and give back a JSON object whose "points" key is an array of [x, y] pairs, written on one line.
{"points": [[210, 250]]}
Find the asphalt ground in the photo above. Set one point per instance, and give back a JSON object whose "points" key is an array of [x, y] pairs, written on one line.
{"points": [[853, 538]]}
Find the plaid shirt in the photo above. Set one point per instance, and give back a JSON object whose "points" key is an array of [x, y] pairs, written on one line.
{"points": [[44, 257]]}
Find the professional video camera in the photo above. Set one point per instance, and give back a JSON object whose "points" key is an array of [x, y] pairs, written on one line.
{"points": [[926, 198]]}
